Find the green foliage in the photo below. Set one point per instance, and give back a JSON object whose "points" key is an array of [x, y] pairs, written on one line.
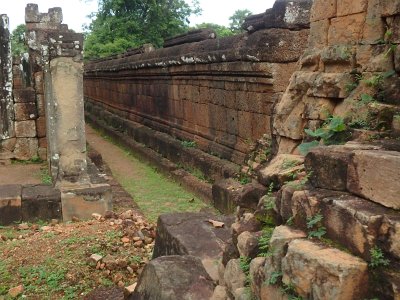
{"points": [[275, 278], [244, 178], [269, 199], [314, 224], [45, 177], [220, 30], [122, 24], [263, 241], [289, 290], [189, 144], [328, 134], [237, 19], [288, 164], [378, 258], [18, 46], [244, 263]]}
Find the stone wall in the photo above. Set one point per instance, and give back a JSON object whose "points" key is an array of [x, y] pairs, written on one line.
{"points": [[219, 93], [350, 69]]}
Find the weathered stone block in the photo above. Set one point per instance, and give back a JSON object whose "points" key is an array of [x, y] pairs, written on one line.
{"points": [[174, 277], [375, 175], [278, 244], [349, 7], [281, 170], [234, 276], [327, 167], [191, 234], [318, 34], [25, 129], [82, 202], [319, 272], [41, 127], [25, 111], [229, 193], [248, 243], [10, 204], [346, 30], [26, 148], [323, 9], [41, 202], [257, 275], [24, 95], [331, 85], [288, 14], [390, 8], [220, 293]]}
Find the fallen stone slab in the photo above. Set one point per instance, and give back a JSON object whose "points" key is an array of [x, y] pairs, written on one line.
{"points": [[174, 277], [41, 202], [10, 204], [375, 175], [319, 272], [191, 234]]}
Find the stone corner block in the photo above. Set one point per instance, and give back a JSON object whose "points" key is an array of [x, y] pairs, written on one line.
{"points": [[82, 201]]}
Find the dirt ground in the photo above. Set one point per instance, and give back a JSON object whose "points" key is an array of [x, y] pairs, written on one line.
{"points": [[47, 260]]}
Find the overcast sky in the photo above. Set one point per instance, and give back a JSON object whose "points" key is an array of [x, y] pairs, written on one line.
{"points": [[75, 11]]}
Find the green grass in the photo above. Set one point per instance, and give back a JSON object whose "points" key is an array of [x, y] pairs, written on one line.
{"points": [[154, 193]]}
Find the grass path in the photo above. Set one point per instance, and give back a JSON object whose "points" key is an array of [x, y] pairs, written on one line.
{"points": [[153, 192]]}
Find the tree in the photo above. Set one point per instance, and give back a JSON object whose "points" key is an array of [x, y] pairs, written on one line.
{"points": [[18, 46], [237, 20], [220, 30], [121, 24]]}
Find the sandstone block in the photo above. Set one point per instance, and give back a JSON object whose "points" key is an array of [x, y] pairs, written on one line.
{"points": [[174, 277], [25, 129], [229, 193], [24, 95], [82, 202], [331, 85], [41, 127], [181, 233], [346, 30], [288, 14], [373, 30], [324, 273], [349, 7], [25, 111], [271, 292], [327, 167], [10, 204], [41, 202], [375, 175], [248, 243], [390, 8], [220, 293], [38, 76], [318, 34], [281, 170], [257, 275], [41, 105], [234, 276], [247, 222], [26, 148], [323, 9]]}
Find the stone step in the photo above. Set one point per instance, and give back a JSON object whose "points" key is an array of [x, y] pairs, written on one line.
{"points": [[353, 222], [365, 170]]}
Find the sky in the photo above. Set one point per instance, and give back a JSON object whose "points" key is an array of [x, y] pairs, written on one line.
{"points": [[75, 11]]}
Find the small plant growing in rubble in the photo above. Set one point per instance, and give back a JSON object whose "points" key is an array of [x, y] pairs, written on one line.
{"points": [[316, 230], [378, 258], [330, 133]]}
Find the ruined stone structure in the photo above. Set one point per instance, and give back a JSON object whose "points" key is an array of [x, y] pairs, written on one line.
{"points": [[330, 220], [43, 117], [219, 93]]}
